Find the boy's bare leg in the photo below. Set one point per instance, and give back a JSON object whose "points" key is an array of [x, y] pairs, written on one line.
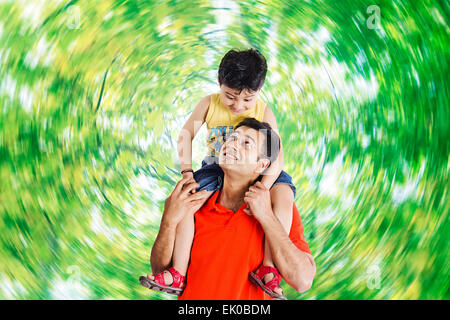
{"points": [[182, 248], [183, 244], [282, 198]]}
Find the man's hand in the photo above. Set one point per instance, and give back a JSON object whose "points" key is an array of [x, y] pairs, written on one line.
{"points": [[182, 201], [258, 201]]}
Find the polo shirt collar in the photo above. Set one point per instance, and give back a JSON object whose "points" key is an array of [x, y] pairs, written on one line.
{"points": [[214, 205]]}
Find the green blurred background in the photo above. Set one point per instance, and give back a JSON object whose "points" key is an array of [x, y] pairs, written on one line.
{"points": [[93, 95]]}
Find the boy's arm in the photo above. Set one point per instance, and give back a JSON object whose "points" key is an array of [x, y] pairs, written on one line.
{"points": [[188, 132], [275, 168]]}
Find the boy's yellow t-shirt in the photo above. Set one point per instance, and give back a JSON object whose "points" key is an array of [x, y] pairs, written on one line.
{"points": [[220, 122]]}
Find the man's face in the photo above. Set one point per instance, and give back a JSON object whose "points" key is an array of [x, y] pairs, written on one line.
{"points": [[236, 101], [241, 151]]}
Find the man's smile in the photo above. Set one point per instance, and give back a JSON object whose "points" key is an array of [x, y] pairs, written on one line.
{"points": [[231, 154]]}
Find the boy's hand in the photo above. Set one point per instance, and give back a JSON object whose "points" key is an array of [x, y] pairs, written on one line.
{"points": [[189, 176]]}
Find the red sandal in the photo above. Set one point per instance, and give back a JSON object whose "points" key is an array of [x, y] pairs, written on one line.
{"points": [[159, 283], [258, 276]]}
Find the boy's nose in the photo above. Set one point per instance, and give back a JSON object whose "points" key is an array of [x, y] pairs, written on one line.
{"points": [[237, 105]]}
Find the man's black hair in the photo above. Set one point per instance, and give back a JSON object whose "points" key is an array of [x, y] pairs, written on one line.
{"points": [[243, 70], [272, 142]]}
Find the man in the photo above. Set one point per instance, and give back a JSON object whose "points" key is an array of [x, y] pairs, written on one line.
{"points": [[231, 226]]}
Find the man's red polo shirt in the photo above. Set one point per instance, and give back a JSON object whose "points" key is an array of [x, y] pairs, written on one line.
{"points": [[227, 246]]}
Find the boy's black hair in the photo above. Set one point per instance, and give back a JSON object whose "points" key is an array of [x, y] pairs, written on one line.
{"points": [[272, 141], [243, 70]]}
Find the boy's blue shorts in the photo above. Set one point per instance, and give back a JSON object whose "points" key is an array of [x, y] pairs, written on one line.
{"points": [[210, 178]]}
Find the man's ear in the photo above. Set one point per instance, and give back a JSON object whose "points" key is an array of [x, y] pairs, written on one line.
{"points": [[263, 163]]}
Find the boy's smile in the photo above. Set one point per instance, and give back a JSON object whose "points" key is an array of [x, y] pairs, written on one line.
{"points": [[238, 102]]}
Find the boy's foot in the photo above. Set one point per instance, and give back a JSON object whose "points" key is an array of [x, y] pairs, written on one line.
{"points": [[169, 281], [268, 279]]}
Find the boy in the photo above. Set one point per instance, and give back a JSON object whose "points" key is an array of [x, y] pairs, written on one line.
{"points": [[241, 77]]}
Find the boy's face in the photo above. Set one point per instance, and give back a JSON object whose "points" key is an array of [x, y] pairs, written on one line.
{"points": [[238, 102]]}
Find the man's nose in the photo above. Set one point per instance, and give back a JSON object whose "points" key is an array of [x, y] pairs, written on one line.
{"points": [[234, 145]]}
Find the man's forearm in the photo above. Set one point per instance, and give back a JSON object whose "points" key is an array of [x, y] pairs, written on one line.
{"points": [[296, 267], [161, 256]]}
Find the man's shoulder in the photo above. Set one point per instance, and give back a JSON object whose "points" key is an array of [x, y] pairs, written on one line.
{"points": [[208, 205], [296, 234]]}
